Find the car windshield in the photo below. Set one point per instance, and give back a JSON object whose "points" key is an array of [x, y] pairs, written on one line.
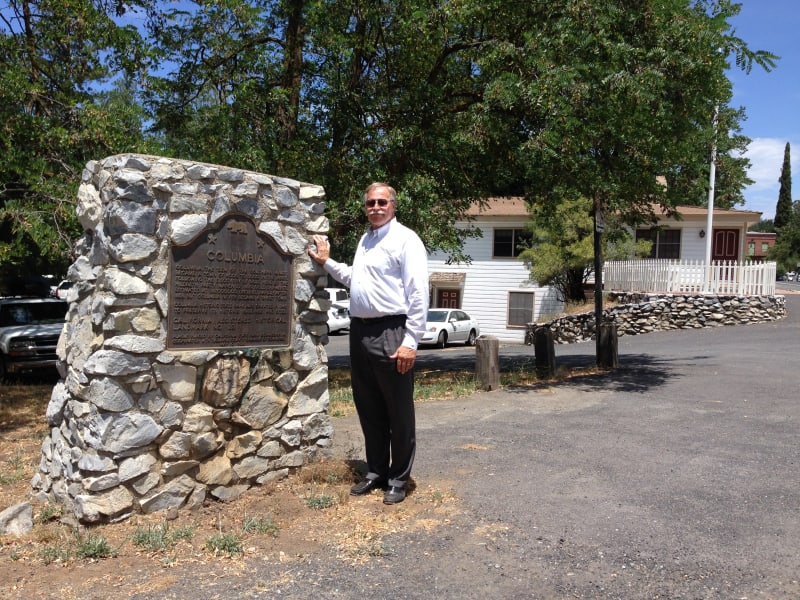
{"points": [[437, 316], [27, 313]]}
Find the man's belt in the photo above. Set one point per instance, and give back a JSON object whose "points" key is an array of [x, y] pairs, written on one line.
{"points": [[375, 320]]}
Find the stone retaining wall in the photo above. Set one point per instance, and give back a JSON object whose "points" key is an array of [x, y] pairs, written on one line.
{"points": [[137, 426], [644, 313]]}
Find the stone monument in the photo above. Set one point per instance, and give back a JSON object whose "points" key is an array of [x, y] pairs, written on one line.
{"points": [[192, 356]]}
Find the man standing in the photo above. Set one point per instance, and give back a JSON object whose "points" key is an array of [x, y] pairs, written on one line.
{"points": [[388, 284]]}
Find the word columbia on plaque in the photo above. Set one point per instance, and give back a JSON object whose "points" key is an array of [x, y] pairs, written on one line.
{"points": [[230, 287]]}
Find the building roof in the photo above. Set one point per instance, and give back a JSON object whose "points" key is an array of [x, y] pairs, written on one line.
{"points": [[515, 206], [511, 206]]}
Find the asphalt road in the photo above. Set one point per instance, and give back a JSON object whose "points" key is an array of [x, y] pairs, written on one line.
{"points": [[675, 476]]}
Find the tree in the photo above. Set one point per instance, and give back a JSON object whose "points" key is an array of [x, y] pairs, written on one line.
{"points": [[336, 93], [783, 210], [786, 251], [54, 54]]}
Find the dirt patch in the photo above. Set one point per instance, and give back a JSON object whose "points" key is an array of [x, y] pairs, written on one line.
{"points": [[286, 522]]}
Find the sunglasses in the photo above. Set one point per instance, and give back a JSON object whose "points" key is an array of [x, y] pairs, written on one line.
{"points": [[382, 202]]}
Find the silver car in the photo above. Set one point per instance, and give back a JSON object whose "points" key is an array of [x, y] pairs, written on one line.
{"points": [[445, 325]]}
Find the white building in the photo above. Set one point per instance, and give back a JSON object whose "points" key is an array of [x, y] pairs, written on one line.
{"points": [[495, 287]]}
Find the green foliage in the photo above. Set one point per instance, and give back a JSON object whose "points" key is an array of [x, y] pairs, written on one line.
{"points": [[448, 102], [160, 537], [765, 225], [262, 525], [92, 546], [786, 251], [783, 210], [320, 501], [227, 543], [55, 54]]}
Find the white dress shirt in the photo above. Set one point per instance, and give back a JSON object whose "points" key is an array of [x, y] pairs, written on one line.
{"points": [[389, 276]]}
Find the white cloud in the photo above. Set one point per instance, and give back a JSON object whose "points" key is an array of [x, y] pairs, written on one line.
{"points": [[766, 160]]}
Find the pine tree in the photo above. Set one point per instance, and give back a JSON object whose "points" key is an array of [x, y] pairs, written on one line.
{"points": [[783, 210]]}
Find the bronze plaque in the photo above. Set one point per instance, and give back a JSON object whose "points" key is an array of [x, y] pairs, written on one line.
{"points": [[231, 287]]}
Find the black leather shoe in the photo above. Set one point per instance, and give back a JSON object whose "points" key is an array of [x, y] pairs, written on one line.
{"points": [[366, 487], [395, 494]]}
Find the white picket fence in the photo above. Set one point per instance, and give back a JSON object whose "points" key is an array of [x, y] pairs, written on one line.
{"points": [[690, 277]]}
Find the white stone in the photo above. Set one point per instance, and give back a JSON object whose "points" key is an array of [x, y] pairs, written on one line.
{"points": [[17, 520], [199, 418], [178, 381], [113, 362], [133, 247], [186, 227], [136, 344], [124, 284]]}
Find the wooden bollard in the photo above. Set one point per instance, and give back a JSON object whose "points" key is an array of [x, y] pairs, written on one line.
{"points": [[607, 355], [487, 362], [544, 348]]}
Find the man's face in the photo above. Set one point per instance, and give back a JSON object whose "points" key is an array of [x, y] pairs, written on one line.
{"points": [[379, 207]]}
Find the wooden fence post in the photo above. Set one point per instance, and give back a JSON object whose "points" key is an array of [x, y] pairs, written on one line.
{"points": [[607, 355], [487, 362], [544, 348]]}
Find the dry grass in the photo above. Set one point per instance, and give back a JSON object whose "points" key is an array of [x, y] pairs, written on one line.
{"points": [[282, 522]]}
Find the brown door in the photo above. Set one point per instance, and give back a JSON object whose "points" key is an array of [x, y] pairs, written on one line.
{"points": [[726, 245], [448, 298]]}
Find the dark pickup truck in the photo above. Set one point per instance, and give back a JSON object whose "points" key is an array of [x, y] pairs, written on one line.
{"points": [[29, 331]]}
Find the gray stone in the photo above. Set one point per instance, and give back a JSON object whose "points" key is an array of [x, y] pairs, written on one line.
{"points": [[173, 469], [311, 395], [244, 444], [124, 432], [108, 394], [251, 466], [262, 406], [172, 415], [124, 284], [204, 444], [228, 493], [172, 495], [177, 446], [91, 508], [134, 466], [217, 471], [271, 449], [17, 520], [55, 408], [100, 483], [146, 483], [225, 380], [91, 462]]}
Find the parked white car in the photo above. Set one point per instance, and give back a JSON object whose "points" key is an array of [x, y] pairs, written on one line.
{"points": [[339, 296], [338, 318], [446, 325]]}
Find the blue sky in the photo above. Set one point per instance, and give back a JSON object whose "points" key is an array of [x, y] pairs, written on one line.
{"points": [[772, 100]]}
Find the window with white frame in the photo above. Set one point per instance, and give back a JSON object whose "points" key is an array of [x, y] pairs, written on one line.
{"points": [[508, 243], [520, 309], [666, 242]]}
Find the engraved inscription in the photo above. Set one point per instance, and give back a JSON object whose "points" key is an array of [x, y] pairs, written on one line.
{"points": [[229, 288]]}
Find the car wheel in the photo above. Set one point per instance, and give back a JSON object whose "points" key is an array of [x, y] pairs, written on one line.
{"points": [[2, 369], [442, 341], [471, 338]]}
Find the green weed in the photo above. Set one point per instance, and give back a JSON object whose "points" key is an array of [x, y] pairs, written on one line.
{"points": [[227, 543]]}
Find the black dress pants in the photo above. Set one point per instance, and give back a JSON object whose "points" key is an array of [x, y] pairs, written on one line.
{"points": [[384, 398]]}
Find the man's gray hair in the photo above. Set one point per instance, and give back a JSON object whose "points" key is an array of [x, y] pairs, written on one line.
{"points": [[380, 184]]}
